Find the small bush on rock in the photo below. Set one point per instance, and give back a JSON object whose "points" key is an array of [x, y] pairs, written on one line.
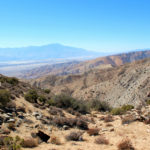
{"points": [[125, 145]]}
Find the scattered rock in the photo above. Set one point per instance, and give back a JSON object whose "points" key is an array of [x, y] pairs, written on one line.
{"points": [[65, 127], [44, 137], [11, 120]]}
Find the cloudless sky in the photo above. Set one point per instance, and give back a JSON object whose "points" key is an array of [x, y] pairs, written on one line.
{"points": [[100, 25]]}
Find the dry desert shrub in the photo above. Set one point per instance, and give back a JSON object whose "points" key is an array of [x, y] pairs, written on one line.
{"points": [[147, 121], [56, 111], [93, 132], [101, 140], [30, 142], [125, 145], [81, 124], [128, 119], [71, 122], [75, 136], [108, 118], [11, 126], [109, 125]]}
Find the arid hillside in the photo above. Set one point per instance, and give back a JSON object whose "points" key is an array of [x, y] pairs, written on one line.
{"points": [[62, 122], [126, 84], [77, 67]]}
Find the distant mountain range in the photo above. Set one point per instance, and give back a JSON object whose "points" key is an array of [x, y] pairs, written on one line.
{"points": [[51, 51], [84, 66]]}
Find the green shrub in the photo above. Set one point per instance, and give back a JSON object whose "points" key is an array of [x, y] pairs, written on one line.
{"points": [[4, 97], [10, 80], [31, 96], [117, 111], [51, 102], [65, 101], [42, 99], [99, 105], [127, 107], [13, 143], [148, 102], [121, 110], [13, 81], [47, 91]]}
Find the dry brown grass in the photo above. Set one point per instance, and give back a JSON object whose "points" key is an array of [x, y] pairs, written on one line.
{"points": [[125, 145], [101, 140], [127, 119], [109, 118], [93, 131], [74, 136], [30, 143]]}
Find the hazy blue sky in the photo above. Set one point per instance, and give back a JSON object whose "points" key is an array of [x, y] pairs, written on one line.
{"points": [[110, 25]]}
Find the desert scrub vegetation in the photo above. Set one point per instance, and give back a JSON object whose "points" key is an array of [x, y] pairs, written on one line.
{"points": [[31, 96], [148, 102], [71, 122], [83, 107], [4, 97], [101, 140], [99, 105], [75, 136], [65, 101], [121, 110], [10, 80], [11, 143], [93, 131], [47, 91], [128, 119], [34, 97], [125, 145], [42, 99]]}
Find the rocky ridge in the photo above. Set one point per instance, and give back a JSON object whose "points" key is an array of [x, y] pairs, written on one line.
{"points": [[126, 84]]}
